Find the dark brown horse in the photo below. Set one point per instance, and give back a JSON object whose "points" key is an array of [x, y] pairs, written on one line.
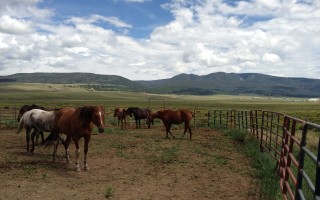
{"points": [[170, 117], [139, 113], [121, 114], [26, 108], [77, 123]]}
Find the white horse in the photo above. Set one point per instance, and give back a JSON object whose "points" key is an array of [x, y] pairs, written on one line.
{"points": [[39, 121]]}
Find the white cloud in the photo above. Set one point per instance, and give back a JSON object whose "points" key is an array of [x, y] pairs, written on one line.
{"points": [[271, 58], [14, 26], [272, 37]]}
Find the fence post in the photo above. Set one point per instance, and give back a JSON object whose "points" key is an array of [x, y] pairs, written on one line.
{"points": [[227, 120], [317, 186], [301, 161], [209, 118], [282, 157], [261, 134]]}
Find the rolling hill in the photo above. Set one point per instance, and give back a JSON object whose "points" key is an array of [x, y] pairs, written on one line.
{"points": [[214, 83]]}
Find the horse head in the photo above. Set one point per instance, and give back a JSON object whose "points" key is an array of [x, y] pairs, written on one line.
{"points": [[94, 114], [149, 120], [130, 111]]}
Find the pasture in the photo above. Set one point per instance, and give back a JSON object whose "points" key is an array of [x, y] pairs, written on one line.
{"points": [[135, 163], [130, 164]]}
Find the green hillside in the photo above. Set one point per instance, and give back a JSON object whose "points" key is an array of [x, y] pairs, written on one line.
{"points": [[231, 83], [89, 80], [190, 84]]}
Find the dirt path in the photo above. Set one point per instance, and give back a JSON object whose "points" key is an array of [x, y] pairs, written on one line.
{"points": [[132, 164]]}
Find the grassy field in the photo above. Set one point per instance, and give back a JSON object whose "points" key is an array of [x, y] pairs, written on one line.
{"points": [[54, 95]]}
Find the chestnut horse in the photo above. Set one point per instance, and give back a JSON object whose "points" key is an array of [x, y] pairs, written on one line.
{"points": [[139, 113], [170, 117], [39, 121], [77, 123], [121, 114]]}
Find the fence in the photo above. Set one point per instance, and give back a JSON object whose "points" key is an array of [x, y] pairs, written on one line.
{"points": [[286, 139], [8, 117]]}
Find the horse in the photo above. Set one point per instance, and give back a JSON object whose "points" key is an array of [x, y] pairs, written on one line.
{"points": [[26, 108], [39, 120], [139, 113], [170, 117], [121, 114], [77, 123]]}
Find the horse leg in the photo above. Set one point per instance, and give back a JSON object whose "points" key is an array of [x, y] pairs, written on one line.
{"points": [[66, 147], [190, 132], [168, 127], [33, 134], [170, 131], [28, 138], [136, 123], [42, 137], [186, 125], [86, 143], [55, 147], [76, 142]]}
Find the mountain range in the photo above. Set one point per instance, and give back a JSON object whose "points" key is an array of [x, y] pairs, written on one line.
{"points": [[214, 83]]}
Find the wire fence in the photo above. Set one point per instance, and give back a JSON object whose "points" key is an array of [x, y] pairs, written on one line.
{"points": [[293, 143]]}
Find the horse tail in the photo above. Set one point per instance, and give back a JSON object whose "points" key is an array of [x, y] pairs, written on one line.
{"points": [[20, 125], [115, 112], [52, 137]]}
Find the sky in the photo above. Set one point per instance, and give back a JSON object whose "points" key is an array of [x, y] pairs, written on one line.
{"points": [[158, 39]]}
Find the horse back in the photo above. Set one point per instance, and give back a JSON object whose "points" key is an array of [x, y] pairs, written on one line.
{"points": [[176, 116], [63, 120]]}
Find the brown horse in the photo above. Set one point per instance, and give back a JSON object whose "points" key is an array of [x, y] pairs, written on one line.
{"points": [[77, 123], [170, 117], [121, 114]]}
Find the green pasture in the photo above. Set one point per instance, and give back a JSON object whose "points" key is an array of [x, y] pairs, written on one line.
{"points": [[60, 95]]}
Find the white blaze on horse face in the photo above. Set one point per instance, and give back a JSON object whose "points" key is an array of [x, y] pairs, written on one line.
{"points": [[100, 118]]}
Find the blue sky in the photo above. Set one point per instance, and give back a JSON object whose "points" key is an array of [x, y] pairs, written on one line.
{"points": [[157, 39], [143, 16]]}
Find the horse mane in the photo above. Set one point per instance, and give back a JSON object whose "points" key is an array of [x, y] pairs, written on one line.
{"points": [[86, 112]]}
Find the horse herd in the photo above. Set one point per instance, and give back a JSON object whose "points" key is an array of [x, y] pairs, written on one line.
{"points": [[76, 123]]}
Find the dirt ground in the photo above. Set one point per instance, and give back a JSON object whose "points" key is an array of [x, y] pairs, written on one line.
{"points": [[130, 164]]}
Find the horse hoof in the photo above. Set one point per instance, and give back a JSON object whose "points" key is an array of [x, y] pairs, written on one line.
{"points": [[87, 168], [78, 169]]}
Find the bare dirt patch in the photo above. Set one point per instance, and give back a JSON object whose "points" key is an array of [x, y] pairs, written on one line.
{"points": [[130, 164]]}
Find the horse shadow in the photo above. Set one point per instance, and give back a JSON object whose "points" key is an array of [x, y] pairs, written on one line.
{"points": [[38, 161]]}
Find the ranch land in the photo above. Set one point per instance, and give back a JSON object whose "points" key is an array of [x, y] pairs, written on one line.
{"points": [[135, 163]]}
